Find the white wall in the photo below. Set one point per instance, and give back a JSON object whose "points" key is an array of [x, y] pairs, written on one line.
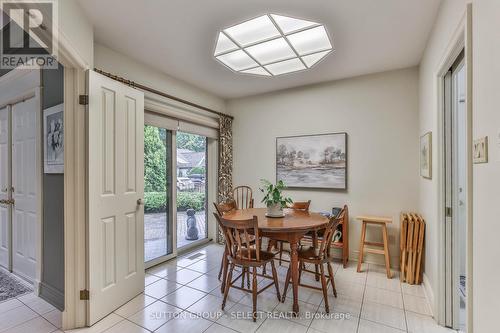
{"points": [[121, 65], [380, 114], [447, 22], [486, 122]]}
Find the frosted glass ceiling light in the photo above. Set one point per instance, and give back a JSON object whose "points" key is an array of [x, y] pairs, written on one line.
{"points": [[271, 45]]}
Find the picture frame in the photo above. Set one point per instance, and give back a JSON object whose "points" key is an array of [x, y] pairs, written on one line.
{"points": [[314, 161], [53, 139], [426, 155], [480, 150]]}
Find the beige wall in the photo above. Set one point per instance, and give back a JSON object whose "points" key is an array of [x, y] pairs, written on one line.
{"points": [[447, 22], [380, 114], [119, 64], [486, 122]]}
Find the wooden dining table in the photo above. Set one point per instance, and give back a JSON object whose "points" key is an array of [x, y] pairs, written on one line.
{"points": [[290, 228]]}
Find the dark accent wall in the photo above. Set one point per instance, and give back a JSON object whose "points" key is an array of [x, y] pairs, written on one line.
{"points": [[52, 284]]}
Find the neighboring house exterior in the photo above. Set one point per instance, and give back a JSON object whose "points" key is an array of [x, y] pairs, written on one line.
{"points": [[187, 160]]}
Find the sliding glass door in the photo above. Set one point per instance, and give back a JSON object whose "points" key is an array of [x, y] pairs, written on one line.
{"points": [[191, 188], [158, 229]]}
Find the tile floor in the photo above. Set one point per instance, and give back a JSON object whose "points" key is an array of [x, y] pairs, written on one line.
{"points": [[183, 295]]}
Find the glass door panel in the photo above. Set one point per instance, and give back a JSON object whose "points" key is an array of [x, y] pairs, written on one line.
{"points": [[157, 193], [191, 188]]}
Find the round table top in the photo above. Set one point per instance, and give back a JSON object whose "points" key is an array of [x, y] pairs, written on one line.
{"points": [[294, 220]]}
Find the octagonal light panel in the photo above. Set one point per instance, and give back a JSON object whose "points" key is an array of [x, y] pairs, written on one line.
{"points": [[271, 45]]}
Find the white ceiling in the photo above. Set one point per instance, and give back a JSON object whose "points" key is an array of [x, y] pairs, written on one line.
{"points": [[178, 37]]}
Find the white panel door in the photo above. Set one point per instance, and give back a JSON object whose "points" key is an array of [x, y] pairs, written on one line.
{"points": [[116, 190], [5, 184], [25, 176]]}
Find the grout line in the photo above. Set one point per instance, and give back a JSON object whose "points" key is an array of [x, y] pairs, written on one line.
{"points": [[362, 300]]}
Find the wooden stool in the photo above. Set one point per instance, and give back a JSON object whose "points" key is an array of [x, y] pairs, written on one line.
{"points": [[381, 221]]}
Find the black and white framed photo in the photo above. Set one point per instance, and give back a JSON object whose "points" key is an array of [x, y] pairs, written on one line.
{"points": [[312, 161], [53, 141]]}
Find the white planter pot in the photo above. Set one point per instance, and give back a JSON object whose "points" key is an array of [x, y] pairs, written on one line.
{"points": [[275, 210]]}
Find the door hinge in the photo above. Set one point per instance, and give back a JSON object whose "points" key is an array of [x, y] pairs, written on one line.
{"points": [[448, 211], [83, 99], [84, 295]]}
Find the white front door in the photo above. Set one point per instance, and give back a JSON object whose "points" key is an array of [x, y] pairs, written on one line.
{"points": [[25, 187], [116, 190], [5, 185]]}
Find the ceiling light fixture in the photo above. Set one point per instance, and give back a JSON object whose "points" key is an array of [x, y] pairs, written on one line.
{"points": [[271, 45]]}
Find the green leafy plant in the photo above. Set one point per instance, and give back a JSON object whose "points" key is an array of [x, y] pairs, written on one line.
{"points": [[273, 194]]}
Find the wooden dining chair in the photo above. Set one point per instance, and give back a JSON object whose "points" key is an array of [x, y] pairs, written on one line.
{"points": [[300, 206], [317, 256], [243, 196], [241, 253], [222, 208]]}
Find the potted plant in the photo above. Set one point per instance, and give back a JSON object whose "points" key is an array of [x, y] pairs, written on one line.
{"points": [[273, 198]]}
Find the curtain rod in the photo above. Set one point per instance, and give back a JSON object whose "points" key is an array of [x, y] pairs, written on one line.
{"points": [[157, 92]]}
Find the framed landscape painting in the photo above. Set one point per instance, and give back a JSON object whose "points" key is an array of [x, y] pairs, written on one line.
{"points": [[312, 161]]}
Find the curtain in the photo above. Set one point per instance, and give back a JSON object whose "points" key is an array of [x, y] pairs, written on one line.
{"points": [[225, 174]]}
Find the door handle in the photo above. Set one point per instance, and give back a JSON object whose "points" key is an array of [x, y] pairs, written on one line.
{"points": [[7, 202], [140, 202]]}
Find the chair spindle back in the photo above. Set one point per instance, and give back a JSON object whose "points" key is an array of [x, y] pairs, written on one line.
{"points": [[238, 238], [243, 197]]}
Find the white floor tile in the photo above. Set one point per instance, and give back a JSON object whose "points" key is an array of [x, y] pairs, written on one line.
{"points": [[383, 314], [39, 305], [418, 323], [417, 304], [382, 282], [333, 323], [161, 288], [9, 305], [150, 279], [205, 283], [306, 312], [265, 301], [348, 289], [155, 315], [135, 305], [203, 266], [307, 295], [163, 270], [101, 326], [185, 262], [184, 276], [15, 317], [35, 325], [414, 290], [184, 297], [342, 304], [216, 328], [209, 307], [366, 326], [382, 296], [55, 318], [126, 326], [239, 318], [281, 325], [234, 295], [186, 322]]}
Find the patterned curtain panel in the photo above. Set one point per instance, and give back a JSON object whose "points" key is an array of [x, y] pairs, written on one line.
{"points": [[225, 173]]}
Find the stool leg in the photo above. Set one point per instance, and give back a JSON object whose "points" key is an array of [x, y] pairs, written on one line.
{"points": [[361, 246], [386, 252]]}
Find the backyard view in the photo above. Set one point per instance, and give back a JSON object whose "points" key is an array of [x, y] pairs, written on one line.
{"points": [[191, 190]]}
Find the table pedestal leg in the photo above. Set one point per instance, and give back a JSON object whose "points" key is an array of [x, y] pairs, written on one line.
{"points": [[294, 268]]}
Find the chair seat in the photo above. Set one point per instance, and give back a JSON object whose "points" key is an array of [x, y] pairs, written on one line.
{"points": [[264, 256], [309, 253]]}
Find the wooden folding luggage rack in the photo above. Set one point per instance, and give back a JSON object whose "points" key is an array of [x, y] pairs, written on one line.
{"points": [[411, 247]]}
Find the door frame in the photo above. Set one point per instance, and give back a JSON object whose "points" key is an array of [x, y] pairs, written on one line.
{"points": [[15, 87], [460, 41]]}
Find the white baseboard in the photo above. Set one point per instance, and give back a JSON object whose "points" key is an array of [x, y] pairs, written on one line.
{"points": [[429, 293]]}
